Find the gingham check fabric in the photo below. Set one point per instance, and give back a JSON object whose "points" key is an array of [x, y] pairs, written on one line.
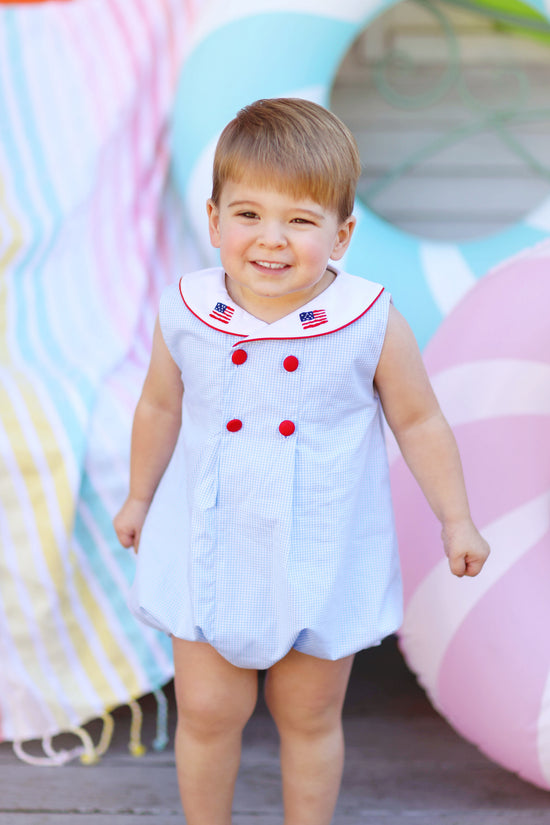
{"points": [[256, 541]]}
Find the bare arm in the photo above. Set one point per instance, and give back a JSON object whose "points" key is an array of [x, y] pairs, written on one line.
{"points": [[427, 444], [157, 422]]}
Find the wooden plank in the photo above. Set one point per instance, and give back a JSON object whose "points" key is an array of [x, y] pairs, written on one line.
{"points": [[382, 120], [448, 230], [414, 30], [482, 155], [377, 817], [453, 195], [107, 788], [394, 764], [404, 766], [478, 48], [357, 100], [408, 17]]}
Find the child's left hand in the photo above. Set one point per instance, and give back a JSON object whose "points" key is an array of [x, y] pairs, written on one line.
{"points": [[465, 547]]}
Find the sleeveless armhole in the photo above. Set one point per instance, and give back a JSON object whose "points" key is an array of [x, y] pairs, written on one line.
{"points": [[379, 314], [171, 318]]}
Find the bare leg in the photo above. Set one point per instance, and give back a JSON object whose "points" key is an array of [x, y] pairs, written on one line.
{"points": [[215, 699], [305, 696]]}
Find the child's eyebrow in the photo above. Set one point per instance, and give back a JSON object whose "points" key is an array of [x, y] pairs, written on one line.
{"points": [[318, 215], [243, 203]]}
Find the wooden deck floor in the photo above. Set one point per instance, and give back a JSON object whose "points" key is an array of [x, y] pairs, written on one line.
{"points": [[405, 766]]}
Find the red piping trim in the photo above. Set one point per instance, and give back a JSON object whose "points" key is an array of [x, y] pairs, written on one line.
{"points": [[225, 331], [317, 334], [285, 337]]}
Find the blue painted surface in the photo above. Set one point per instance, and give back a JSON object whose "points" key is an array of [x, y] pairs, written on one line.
{"points": [[391, 257], [271, 54], [486, 253], [244, 61]]}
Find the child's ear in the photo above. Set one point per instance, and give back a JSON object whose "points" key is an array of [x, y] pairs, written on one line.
{"points": [[213, 223], [343, 237]]}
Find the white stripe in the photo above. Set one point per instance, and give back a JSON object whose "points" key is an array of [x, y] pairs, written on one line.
{"points": [[6, 229], [540, 250], [49, 413], [36, 450], [76, 188], [51, 596], [539, 218], [109, 436], [122, 389], [34, 68], [21, 701], [43, 218], [112, 203], [12, 105], [12, 561], [492, 398], [72, 264], [441, 603], [94, 640], [50, 61], [481, 389], [447, 273], [20, 215]]}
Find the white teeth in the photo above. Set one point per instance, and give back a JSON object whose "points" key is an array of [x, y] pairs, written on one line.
{"points": [[270, 265]]}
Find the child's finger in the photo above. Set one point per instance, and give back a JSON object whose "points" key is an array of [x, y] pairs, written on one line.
{"points": [[466, 565], [474, 566], [457, 565], [126, 537]]}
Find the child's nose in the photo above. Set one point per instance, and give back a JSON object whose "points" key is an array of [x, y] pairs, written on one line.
{"points": [[273, 235]]}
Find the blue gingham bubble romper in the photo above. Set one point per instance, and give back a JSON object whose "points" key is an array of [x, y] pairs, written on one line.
{"points": [[272, 527]]}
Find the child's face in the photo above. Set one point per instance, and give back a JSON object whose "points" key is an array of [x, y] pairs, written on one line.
{"points": [[275, 248]]}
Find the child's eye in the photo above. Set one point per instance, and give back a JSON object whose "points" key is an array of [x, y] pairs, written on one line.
{"points": [[301, 220], [247, 215]]}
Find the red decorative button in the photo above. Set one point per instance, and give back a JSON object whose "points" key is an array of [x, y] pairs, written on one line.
{"points": [[286, 427], [239, 356], [234, 425], [291, 363]]}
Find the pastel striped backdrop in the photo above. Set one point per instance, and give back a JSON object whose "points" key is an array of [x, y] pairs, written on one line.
{"points": [[89, 234]]}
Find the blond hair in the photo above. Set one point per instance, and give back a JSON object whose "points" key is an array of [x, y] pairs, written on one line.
{"points": [[294, 146]]}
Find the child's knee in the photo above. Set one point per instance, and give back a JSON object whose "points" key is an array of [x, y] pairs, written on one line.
{"points": [[212, 695], [213, 712], [312, 716]]}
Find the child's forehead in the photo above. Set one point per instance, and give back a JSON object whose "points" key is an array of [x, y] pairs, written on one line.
{"points": [[250, 188]]}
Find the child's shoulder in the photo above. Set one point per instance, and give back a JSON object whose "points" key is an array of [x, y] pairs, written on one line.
{"points": [[359, 281], [356, 293], [197, 279], [199, 282]]}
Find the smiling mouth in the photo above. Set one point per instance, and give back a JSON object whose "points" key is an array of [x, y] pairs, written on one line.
{"points": [[270, 265]]}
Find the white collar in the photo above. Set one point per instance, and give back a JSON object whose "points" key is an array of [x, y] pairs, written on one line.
{"points": [[344, 301]]}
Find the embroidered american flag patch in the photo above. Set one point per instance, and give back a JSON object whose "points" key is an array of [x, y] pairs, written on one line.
{"points": [[222, 312], [314, 318]]}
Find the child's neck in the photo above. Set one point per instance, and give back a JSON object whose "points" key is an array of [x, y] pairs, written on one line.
{"points": [[273, 309]]}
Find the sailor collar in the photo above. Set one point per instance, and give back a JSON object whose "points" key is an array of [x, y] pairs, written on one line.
{"points": [[344, 301]]}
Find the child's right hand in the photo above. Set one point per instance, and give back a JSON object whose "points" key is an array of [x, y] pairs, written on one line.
{"points": [[465, 548], [129, 521]]}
